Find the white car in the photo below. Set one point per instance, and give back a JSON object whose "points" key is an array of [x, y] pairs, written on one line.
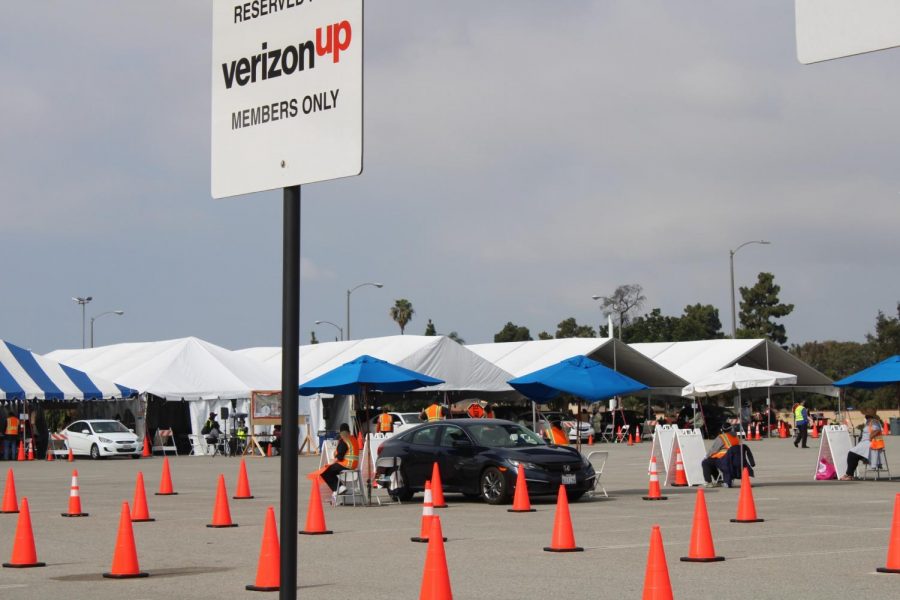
{"points": [[402, 421], [99, 438]]}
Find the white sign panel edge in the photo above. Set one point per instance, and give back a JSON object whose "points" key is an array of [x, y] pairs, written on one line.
{"points": [[829, 29], [287, 93]]}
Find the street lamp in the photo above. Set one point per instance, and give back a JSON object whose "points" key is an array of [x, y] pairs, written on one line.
{"points": [[95, 317], [350, 291], [82, 300], [335, 325], [731, 254]]}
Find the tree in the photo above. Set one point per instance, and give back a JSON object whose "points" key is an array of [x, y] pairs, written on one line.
{"points": [[759, 305], [512, 333], [455, 337], [571, 329], [544, 336], [402, 313], [429, 329], [698, 322], [627, 298], [653, 327], [312, 338], [886, 341], [834, 359]]}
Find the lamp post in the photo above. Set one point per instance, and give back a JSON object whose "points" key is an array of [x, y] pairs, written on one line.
{"points": [[82, 300], [731, 254], [350, 291], [103, 314], [335, 325]]}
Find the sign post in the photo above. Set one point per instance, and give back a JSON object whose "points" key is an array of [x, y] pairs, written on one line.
{"points": [[287, 101]]}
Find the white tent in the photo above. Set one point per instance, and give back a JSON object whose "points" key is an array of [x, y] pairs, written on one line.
{"points": [[696, 360], [520, 358], [437, 356], [737, 377], [208, 376]]}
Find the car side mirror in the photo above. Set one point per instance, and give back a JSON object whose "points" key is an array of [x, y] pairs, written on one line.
{"points": [[131, 430], [85, 432]]}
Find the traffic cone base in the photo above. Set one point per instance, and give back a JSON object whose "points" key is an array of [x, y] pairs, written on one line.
{"points": [[423, 540], [575, 549], [326, 532], [520, 510], [655, 497], [256, 588], [242, 497], [15, 566], [747, 520], [127, 576], [879, 569], [74, 514], [221, 526], [147, 520], [165, 493], [702, 560]]}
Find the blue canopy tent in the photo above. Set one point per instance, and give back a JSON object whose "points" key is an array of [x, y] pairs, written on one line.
{"points": [[580, 376], [878, 375], [363, 374]]}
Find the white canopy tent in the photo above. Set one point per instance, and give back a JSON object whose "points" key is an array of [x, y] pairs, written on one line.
{"points": [[208, 376], [736, 378]]}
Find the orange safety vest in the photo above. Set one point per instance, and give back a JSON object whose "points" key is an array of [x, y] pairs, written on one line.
{"points": [[876, 442], [434, 412], [385, 423], [351, 458], [489, 414], [475, 411], [557, 436], [12, 425], [729, 441]]}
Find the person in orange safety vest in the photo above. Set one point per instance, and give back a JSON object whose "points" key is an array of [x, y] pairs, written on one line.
{"points": [[346, 457], [717, 451], [556, 435], [434, 412], [385, 422], [11, 440]]}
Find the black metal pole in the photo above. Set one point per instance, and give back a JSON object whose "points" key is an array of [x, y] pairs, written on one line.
{"points": [[290, 368]]}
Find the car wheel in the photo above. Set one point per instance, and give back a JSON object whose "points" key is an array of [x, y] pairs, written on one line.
{"points": [[494, 489], [95, 452]]}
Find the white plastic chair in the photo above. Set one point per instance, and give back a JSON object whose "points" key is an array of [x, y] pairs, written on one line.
{"points": [[351, 480], [198, 444]]}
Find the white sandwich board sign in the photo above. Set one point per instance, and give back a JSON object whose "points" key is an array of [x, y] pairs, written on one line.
{"points": [[287, 93], [828, 29], [835, 446], [693, 451]]}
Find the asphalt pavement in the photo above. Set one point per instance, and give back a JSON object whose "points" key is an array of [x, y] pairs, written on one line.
{"points": [[819, 539]]}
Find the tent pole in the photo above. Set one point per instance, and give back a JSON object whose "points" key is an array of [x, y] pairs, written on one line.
{"points": [[290, 374]]}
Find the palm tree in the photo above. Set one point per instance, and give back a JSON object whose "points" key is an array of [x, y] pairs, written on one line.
{"points": [[402, 313]]}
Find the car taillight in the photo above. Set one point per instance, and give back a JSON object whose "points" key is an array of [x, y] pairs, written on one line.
{"points": [[378, 452]]}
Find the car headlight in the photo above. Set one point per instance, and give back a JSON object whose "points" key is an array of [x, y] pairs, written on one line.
{"points": [[105, 440], [525, 465]]}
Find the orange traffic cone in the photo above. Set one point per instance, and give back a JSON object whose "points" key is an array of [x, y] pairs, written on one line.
{"points": [[782, 430], [654, 492], [758, 437], [630, 440], [71, 456], [680, 476], [435, 578], [31, 450], [618, 433], [268, 569], [591, 440], [221, 513], [521, 502], [563, 536], [50, 456], [75, 499], [140, 513], [637, 437], [315, 517], [146, 453], [887, 427], [656, 578], [24, 554], [20, 456], [125, 560], [701, 549], [165, 482], [893, 555], [746, 512], [10, 504], [815, 431], [427, 516], [269, 451], [243, 484], [437, 490]]}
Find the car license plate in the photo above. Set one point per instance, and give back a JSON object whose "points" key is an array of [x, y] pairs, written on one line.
{"points": [[568, 479]]}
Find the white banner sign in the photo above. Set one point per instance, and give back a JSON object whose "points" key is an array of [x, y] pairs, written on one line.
{"points": [[828, 29], [287, 93]]}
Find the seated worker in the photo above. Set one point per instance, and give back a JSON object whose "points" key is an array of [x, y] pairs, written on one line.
{"points": [[346, 457], [385, 422], [276, 439], [211, 429], [870, 442], [715, 460], [556, 435]]}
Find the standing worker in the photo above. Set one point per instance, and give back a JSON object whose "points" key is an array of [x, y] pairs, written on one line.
{"points": [[475, 411], [346, 457], [434, 412], [556, 435], [385, 422], [801, 421], [12, 433]]}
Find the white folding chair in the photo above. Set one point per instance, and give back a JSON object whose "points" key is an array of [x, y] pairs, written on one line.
{"points": [[877, 464], [598, 459], [622, 435], [198, 444], [608, 434], [351, 480], [390, 482]]}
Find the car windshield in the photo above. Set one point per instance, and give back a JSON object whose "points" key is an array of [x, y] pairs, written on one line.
{"points": [[109, 427], [504, 435]]}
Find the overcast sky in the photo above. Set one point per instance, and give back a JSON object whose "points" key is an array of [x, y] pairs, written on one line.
{"points": [[519, 157]]}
